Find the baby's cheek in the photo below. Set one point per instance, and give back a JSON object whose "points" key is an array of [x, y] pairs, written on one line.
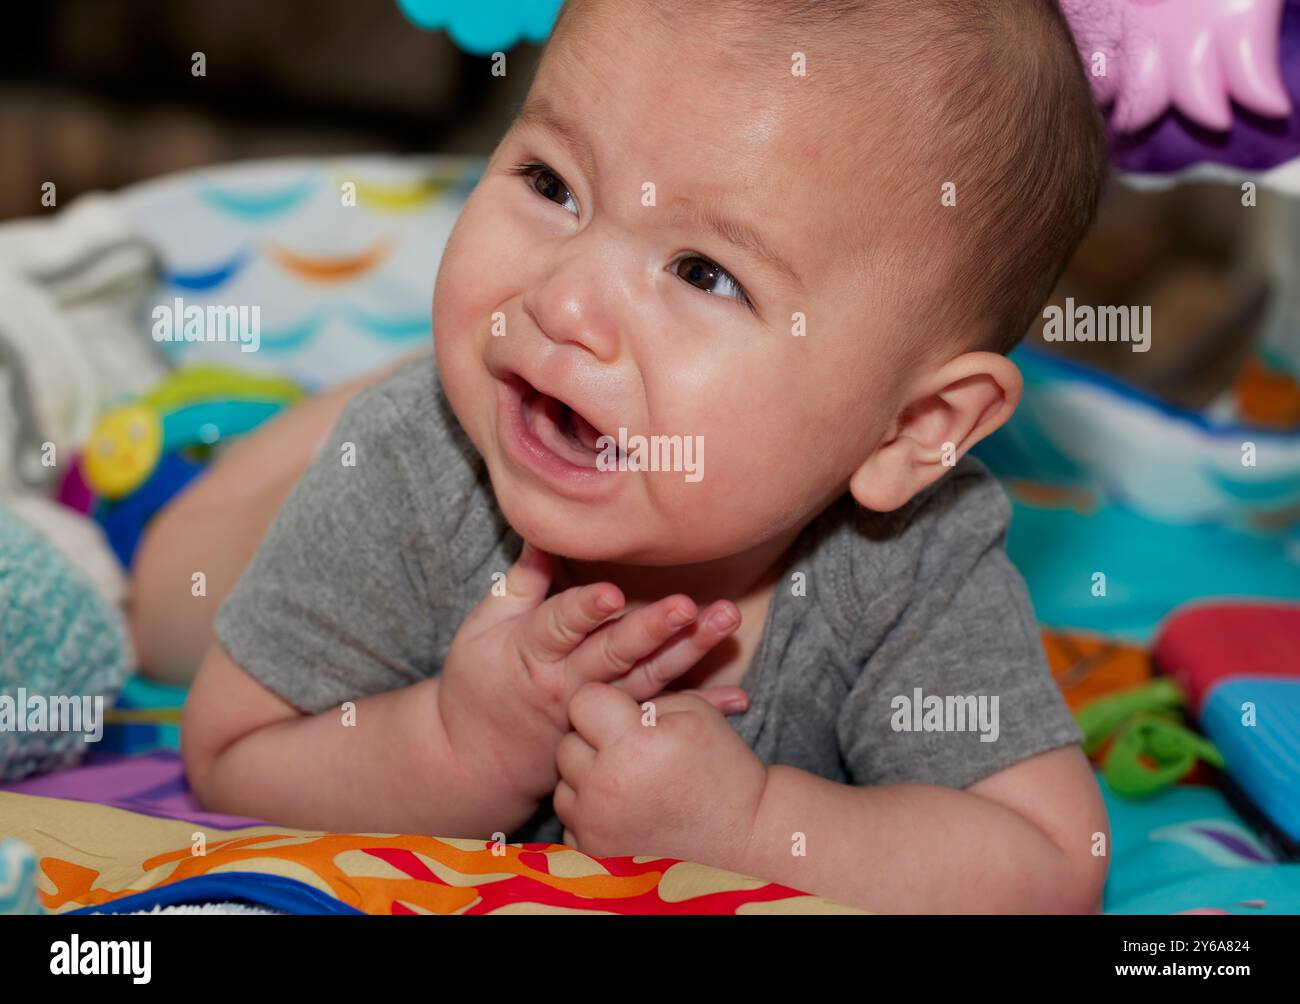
{"points": [[727, 493], [465, 284], [468, 302], [479, 266]]}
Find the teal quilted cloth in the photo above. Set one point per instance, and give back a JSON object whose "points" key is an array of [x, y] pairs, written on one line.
{"points": [[64, 654]]}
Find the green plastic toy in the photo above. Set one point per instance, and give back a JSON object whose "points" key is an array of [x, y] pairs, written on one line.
{"points": [[1151, 748]]}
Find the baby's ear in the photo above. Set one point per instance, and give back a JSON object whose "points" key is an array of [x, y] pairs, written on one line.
{"points": [[949, 411]]}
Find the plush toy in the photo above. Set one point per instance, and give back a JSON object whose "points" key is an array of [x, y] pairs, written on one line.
{"points": [[62, 645], [1147, 55], [143, 452]]}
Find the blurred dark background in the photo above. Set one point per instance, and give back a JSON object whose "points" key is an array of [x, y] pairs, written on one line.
{"points": [[99, 93]]}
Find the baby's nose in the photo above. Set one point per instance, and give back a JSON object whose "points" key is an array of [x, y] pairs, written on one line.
{"points": [[573, 306]]}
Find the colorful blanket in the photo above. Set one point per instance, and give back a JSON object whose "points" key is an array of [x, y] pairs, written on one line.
{"points": [[135, 862], [1183, 850], [1187, 851]]}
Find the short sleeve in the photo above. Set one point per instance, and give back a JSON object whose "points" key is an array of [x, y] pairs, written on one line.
{"points": [[334, 604], [957, 686]]}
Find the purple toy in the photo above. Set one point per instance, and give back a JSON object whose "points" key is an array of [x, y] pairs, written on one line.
{"points": [[1145, 55], [1171, 70], [74, 492]]}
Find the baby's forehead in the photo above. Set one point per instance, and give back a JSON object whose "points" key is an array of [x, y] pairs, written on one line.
{"points": [[801, 193], [801, 161]]}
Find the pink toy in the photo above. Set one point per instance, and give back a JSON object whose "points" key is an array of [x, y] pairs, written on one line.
{"points": [[1194, 54], [74, 492]]}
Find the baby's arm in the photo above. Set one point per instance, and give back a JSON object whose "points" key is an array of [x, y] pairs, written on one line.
{"points": [[1019, 841], [684, 784], [247, 751], [467, 753]]}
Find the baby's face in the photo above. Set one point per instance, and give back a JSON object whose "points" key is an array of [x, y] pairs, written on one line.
{"points": [[640, 251]]}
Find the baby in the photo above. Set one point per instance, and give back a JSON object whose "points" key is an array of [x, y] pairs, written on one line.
{"points": [[803, 235]]}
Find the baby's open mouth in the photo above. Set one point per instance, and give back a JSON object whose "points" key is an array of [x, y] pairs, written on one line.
{"points": [[557, 426]]}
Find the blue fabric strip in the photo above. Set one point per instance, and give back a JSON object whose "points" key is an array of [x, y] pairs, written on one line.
{"points": [[273, 891]]}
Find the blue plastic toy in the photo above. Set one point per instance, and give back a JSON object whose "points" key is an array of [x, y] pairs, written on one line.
{"points": [[485, 26]]}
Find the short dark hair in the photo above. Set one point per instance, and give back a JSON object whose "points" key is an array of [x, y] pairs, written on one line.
{"points": [[1018, 130]]}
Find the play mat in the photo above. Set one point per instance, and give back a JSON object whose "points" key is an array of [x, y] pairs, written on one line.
{"points": [[119, 833]]}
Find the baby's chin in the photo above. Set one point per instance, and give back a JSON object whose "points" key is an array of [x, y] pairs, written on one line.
{"points": [[590, 538], [603, 534]]}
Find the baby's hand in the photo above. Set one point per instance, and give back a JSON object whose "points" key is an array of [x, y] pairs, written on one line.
{"points": [[519, 658], [684, 787]]}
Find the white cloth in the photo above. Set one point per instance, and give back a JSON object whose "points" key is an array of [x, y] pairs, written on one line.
{"points": [[72, 286]]}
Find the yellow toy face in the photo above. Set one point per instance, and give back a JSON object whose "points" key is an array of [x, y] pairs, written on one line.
{"points": [[123, 450]]}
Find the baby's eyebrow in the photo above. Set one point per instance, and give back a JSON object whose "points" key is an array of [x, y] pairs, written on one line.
{"points": [[736, 234], [539, 113]]}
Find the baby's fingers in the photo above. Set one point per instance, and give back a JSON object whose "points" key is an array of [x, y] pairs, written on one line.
{"points": [[681, 653], [523, 587], [563, 622], [728, 700], [616, 648]]}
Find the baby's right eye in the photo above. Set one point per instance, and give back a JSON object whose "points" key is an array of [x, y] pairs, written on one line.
{"points": [[548, 184]]}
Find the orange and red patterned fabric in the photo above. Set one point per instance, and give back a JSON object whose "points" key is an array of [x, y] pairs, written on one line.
{"points": [[133, 862]]}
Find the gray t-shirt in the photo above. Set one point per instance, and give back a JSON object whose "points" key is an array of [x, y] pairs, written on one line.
{"points": [[900, 647]]}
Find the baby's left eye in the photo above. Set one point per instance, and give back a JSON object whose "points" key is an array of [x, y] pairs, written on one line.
{"points": [[710, 277]]}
